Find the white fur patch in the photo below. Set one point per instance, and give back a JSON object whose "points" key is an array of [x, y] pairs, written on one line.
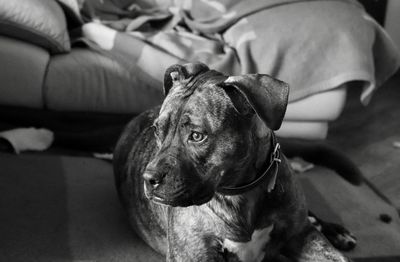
{"points": [[315, 223], [252, 251]]}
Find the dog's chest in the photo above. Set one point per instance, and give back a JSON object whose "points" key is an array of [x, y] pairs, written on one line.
{"points": [[252, 251]]}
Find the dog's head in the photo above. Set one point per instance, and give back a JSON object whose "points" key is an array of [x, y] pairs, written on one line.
{"points": [[206, 131]]}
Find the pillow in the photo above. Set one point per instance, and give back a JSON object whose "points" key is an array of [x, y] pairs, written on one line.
{"points": [[40, 22]]}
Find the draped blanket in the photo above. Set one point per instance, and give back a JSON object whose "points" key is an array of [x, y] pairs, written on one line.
{"points": [[313, 45]]}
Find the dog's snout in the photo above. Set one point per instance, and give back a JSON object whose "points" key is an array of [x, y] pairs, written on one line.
{"points": [[157, 170], [154, 179]]}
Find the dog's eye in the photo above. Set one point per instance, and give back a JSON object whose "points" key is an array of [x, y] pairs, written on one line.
{"points": [[196, 136]]}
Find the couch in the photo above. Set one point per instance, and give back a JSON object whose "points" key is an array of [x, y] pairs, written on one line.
{"points": [[42, 67], [46, 66]]}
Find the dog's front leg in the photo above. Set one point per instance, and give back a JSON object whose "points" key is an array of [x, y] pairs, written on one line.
{"points": [[312, 246]]}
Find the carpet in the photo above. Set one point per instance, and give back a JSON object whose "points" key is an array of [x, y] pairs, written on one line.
{"points": [[62, 208]]}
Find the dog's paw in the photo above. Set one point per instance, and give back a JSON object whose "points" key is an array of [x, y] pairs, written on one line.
{"points": [[339, 236]]}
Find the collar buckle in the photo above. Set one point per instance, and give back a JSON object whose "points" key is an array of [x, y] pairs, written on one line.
{"points": [[276, 155]]}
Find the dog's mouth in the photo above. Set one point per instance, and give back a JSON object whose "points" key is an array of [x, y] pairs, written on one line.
{"points": [[181, 198]]}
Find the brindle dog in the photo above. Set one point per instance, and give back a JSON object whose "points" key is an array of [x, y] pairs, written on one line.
{"points": [[202, 177]]}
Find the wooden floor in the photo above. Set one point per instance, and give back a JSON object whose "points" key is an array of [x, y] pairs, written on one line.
{"points": [[369, 134]]}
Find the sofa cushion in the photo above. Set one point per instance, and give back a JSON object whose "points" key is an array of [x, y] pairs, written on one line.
{"points": [[41, 22], [87, 80], [23, 67]]}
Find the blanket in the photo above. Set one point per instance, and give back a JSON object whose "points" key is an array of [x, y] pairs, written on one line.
{"points": [[314, 45]]}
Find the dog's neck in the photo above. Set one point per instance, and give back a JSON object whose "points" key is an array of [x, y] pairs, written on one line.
{"points": [[258, 171], [262, 146], [241, 212]]}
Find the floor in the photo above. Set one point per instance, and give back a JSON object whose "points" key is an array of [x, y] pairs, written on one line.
{"points": [[370, 135]]}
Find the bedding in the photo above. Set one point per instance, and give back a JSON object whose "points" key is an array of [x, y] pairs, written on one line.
{"points": [[315, 46]]}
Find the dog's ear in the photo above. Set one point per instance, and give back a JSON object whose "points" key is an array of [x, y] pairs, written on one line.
{"points": [[267, 96], [175, 74]]}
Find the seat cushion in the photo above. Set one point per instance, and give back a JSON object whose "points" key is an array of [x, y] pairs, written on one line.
{"points": [[23, 67], [41, 22], [86, 80]]}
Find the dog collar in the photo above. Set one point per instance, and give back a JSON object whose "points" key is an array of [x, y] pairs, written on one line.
{"points": [[272, 169]]}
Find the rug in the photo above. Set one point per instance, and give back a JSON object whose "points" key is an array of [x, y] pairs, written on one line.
{"points": [[62, 208]]}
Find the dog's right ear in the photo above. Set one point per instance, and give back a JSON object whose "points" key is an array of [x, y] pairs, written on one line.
{"points": [[267, 96], [176, 74]]}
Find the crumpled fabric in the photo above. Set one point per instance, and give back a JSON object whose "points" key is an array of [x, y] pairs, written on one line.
{"points": [[314, 45]]}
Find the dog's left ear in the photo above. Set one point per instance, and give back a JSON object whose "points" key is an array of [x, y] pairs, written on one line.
{"points": [[176, 74], [266, 95]]}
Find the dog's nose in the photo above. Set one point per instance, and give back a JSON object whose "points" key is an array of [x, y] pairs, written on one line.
{"points": [[154, 179], [157, 170]]}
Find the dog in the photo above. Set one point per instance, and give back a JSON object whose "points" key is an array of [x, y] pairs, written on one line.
{"points": [[202, 176]]}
